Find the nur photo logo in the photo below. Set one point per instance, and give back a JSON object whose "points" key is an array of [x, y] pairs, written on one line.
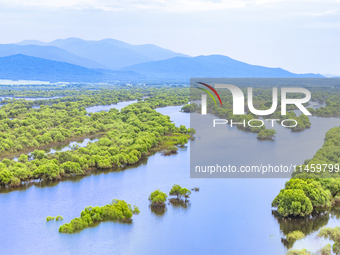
{"points": [[239, 103]]}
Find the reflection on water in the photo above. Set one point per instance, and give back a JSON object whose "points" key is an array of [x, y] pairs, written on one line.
{"points": [[65, 147], [179, 203], [72, 145], [307, 225], [159, 211]]}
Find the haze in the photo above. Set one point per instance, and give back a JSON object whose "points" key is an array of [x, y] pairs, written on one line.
{"points": [[299, 36]]}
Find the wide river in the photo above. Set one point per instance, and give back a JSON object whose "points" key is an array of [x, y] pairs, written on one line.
{"points": [[227, 216]]}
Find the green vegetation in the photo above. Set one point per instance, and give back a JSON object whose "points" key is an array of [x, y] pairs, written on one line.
{"points": [[126, 137], [118, 210], [332, 234], [190, 108], [326, 250], [295, 235], [58, 121], [300, 197], [59, 218], [178, 191], [170, 150], [299, 252], [317, 178], [158, 198], [49, 218], [266, 134]]}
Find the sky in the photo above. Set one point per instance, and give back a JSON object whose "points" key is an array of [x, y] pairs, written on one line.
{"points": [[301, 36]]}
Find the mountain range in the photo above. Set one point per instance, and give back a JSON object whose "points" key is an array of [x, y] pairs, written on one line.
{"points": [[77, 60], [108, 53]]}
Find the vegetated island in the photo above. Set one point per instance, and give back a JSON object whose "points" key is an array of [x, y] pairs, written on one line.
{"points": [[315, 184], [157, 198], [179, 192], [49, 218], [134, 132], [118, 210], [65, 119], [266, 134]]}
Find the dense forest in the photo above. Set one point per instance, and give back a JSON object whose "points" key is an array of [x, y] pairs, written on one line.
{"points": [[315, 183], [124, 137]]}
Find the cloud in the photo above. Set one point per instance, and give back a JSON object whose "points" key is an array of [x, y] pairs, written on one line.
{"points": [[166, 5], [329, 25]]}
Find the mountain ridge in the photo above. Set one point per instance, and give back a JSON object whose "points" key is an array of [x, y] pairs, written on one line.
{"points": [[109, 53], [22, 67], [211, 66]]}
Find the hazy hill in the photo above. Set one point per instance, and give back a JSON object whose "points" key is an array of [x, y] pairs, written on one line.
{"points": [[47, 52], [21, 67], [212, 66], [110, 53]]}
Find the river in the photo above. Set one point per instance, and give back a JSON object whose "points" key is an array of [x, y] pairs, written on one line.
{"points": [[227, 216]]}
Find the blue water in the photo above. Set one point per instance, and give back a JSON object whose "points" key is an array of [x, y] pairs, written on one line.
{"points": [[227, 216], [67, 147], [119, 106]]}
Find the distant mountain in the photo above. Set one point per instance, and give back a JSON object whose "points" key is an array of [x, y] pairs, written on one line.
{"points": [[47, 52], [213, 66], [21, 67], [110, 53]]}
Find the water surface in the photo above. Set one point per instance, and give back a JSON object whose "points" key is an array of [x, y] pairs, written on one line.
{"points": [[227, 216]]}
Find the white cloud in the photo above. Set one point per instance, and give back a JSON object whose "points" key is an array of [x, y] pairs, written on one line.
{"points": [[335, 25], [166, 5]]}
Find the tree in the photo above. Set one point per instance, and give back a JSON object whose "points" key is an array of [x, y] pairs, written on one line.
{"points": [[311, 188], [332, 234], [185, 192], [178, 191], [266, 134], [294, 202], [157, 198], [23, 158]]}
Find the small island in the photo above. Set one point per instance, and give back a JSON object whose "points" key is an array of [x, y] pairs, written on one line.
{"points": [[178, 191], [118, 210], [190, 108], [157, 198], [49, 218], [266, 134]]}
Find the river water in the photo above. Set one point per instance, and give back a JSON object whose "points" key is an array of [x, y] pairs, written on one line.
{"points": [[227, 216]]}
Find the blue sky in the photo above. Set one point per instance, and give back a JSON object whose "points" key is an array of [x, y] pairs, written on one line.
{"points": [[298, 35]]}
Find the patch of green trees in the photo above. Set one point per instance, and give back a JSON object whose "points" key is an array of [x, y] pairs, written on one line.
{"points": [[158, 198], [118, 210], [266, 134], [127, 136], [49, 218], [315, 183], [179, 192]]}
